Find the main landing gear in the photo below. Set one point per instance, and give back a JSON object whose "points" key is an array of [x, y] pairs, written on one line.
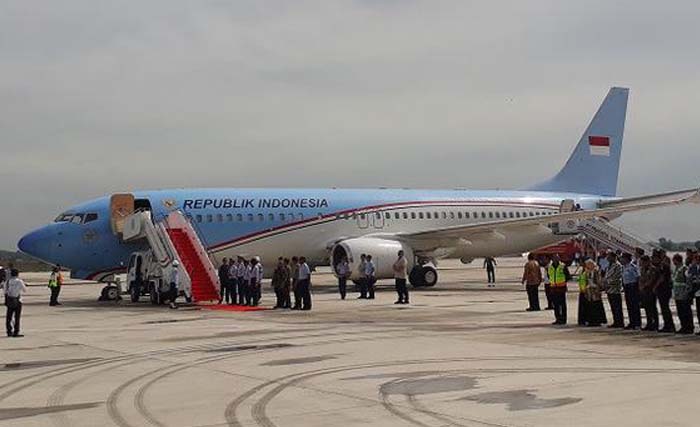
{"points": [[423, 276]]}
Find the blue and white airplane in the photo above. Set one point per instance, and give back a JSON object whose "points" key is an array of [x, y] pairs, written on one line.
{"points": [[326, 224]]}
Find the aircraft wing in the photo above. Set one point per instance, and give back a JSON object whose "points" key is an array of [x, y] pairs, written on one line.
{"points": [[462, 234]]}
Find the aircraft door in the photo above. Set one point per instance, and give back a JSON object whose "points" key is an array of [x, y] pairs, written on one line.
{"points": [[363, 220], [378, 219], [120, 207]]}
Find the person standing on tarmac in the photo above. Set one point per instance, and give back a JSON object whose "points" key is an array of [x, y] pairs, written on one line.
{"points": [[223, 281], [258, 271], [247, 294], [693, 279], [400, 268], [490, 266], [343, 272], [532, 277], [547, 285], [613, 287], [304, 284], [630, 283], [233, 280], [683, 295], [295, 283], [174, 283], [286, 297], [591, 280], [647, 278], [371, 275], [55, 283], [558, 277], [279, 281], [240, 280], [13, 288], [663, 289], [362, 277]]}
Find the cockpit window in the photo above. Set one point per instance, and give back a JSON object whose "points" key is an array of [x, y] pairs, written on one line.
{"points": [[77, 218], [90, 217], [64, 217]]}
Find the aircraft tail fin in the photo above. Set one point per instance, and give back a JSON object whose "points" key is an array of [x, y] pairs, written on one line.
{"points": [[594, 165]]}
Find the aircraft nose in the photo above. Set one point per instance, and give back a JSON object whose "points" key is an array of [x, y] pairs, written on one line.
{"points": [[35, 243]]}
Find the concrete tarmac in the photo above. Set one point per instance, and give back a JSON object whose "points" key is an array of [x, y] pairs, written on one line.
{"points": [[461, 354]]}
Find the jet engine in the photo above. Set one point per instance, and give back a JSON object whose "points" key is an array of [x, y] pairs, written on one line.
{"points": [[383, 251]]}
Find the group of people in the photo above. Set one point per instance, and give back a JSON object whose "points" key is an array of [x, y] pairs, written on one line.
{"points": [[367, 277], [637, 281], [241, 282]]}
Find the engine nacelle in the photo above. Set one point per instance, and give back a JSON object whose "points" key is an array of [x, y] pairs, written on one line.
{"points": [[383, 251]]}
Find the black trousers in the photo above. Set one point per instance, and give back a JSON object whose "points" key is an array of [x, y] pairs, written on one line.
{"points": [[233, 290], [222, 290], [615, 301], [286, 298], [548, 294], [297, 296], [253, 294], [370, 287], [304, 287], [491, 275], [583, 310], [342, 286], [559, 302], [632, 302], [697, 308], [14, 313], [402, 290], [650, 310], [55, 291], [665, 305], [240, 289], [684, 310], [362, 284], [533, 297]]}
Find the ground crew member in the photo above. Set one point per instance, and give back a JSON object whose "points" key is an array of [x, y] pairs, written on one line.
{"points": [[304, 284], [279, 281], [287, 303], [371, 275], [532, 277], [343, 272], [490, 266], [630, 283], [174, 283], [647, 278], [400, 268], [240, 280], [233, 280], [683, 295], [664, 289], [55, 283], [583, 279], [558, 276], [223, 281], [547, 285], [362, 276], [613, 287], [257, 275], [295, 283], [13, 287]]}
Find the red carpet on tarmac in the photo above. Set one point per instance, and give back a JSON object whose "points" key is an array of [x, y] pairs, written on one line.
{"points": [[226, 307]]}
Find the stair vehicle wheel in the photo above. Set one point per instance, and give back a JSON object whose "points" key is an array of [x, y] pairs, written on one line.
{"points": [[153, 293], [111, 293], [135, 292]]}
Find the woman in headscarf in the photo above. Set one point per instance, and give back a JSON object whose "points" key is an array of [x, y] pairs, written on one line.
{"points": [[592, 279]]}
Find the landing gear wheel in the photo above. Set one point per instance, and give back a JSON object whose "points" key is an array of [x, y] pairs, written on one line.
{"points": [[423, 276]]}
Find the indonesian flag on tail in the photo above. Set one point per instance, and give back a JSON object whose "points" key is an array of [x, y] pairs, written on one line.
{"points": [[599, 145]]}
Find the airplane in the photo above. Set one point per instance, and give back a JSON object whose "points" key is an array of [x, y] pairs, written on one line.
{"points": [[325, 225]]}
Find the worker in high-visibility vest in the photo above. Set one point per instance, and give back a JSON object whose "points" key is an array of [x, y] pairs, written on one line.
{"points": [[55, 283], [558, 276]]}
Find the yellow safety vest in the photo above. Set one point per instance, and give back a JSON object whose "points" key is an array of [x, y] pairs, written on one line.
{"points": [[583, 281], [53, 280], [557, 277]]}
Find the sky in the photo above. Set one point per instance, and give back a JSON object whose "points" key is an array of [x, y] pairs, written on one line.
{"points": [[98, 97]]}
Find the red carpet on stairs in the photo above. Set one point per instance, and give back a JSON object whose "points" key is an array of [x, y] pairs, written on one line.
{"points": [[226, 307], [202, 288]]}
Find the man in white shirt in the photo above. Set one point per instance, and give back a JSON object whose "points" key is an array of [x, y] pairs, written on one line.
{"points": [[370, 273], [256, 276], [233, 280], [304, 284], [400, 273], [174, 283], [342, 270], [362, 279], [13, 289]]}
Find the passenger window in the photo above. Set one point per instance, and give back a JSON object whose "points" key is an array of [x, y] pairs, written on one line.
{"points": [[437, 215], [291, 217], [498, 214], [396, 215], [90, 217], [281, 217], [229, 217], [210, 218], [405, 215], [198, 218], [250, 217], [261, 217], [387, 215], [517, 214], [532, 214], [459, 215], [413, 215], [378, 215], [271, 217], [504, 215], [220, 217], [420, 215], [428, 215], [490, 214], [301, 216], [510, 215], [362, 216], [239, 217]]}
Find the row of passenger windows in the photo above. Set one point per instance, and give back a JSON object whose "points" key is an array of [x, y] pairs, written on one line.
{"points": [[450, 215], [290, 217], [76, 218]]}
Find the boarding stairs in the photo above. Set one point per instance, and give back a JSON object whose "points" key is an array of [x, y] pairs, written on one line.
{"points": [[606, 235], [174, 238]]}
